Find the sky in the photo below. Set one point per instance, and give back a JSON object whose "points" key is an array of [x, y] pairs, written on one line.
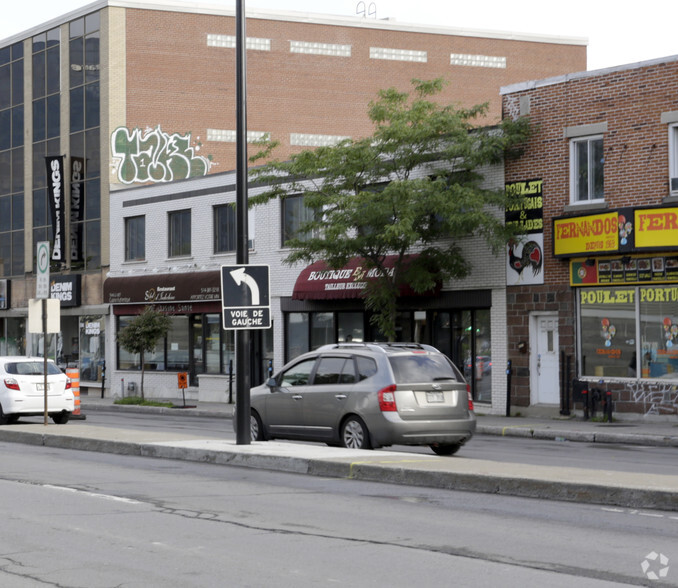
{"points": [[617, 34]]}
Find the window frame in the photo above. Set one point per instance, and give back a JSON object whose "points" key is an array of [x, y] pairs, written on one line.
{"points": [[673, 159], [575, 142], [287, 230], [132, 246], [183, 246]]}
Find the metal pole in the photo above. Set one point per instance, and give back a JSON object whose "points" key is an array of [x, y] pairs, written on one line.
{"points": [[44, 353], [242, 339]]}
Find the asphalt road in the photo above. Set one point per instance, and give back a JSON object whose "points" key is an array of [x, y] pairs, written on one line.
{"points": [[73, 518]]}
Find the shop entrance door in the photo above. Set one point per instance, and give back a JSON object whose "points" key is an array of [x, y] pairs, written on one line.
{"points": [[544, 365]]}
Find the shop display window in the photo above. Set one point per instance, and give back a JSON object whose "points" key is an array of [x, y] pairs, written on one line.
{"points": [[629, 332], [659, 332]]}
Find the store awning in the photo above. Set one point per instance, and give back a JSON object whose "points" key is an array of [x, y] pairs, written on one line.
{"points": [[319, 282], [163, 288]]}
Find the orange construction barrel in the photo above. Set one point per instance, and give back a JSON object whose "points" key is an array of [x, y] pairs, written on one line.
{"points": [[74, 376]]}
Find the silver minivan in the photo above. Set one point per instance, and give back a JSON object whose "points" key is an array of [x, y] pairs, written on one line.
{"points": [[367, 395]]}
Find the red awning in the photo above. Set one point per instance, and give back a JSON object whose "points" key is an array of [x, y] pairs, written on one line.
{"points": [[319, 282]]}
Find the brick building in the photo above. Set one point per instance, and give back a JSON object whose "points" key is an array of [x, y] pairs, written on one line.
{"points": [[604, 156], [125, 92]]}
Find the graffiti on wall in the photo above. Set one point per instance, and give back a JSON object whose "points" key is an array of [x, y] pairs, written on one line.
{"points": [[153, 155], [656, 397]]}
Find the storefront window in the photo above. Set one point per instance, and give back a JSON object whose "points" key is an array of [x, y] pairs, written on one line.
{"points": [[177, 344], [350, 327], [659, 332], [322, 329], [483, 356], [297, 334], [212, 343], [92, 347], [13, 337], [608, 331]]}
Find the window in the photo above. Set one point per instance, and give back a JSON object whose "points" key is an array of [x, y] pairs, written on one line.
{"points": [[586, 169], [334, 370], [295, 218], [623, 330], [179, 233], [298, 375], [225, 229], [673, 158], [84, 122], [135, 238]]}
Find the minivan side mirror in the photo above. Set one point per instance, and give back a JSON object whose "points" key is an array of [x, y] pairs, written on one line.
{"points": [[271, 383]]}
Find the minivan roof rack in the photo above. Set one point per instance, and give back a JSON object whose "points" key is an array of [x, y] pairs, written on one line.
{"points": [[380, 345]]}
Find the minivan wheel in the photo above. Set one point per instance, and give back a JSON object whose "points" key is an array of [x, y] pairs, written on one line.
{"points": [[444, 449], [354, 434], [4, 418], [256, 428]]}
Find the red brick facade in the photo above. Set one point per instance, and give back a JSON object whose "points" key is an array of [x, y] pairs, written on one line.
{"points": [[626, 105], [175, 80]]}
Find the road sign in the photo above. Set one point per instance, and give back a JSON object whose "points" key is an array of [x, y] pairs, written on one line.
{"points": [[182, 380], [245, 297], [42, 275]]}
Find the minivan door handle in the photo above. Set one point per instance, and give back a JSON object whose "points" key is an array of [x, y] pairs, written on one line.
{"points": [[340, 396], [297, 397]]}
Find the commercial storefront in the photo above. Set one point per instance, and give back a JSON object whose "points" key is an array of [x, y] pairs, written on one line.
{"points": [[195, 343], [624, 267], [326, 306]]}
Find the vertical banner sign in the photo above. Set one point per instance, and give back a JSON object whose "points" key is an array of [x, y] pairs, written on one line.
{"points": [[525, 260], [77, 206], [55, 183]]}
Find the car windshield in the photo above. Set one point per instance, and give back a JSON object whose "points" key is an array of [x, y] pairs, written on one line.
{"points": [[30, 368], [410, 369]]}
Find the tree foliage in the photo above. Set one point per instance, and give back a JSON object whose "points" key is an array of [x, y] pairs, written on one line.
{"points": [[415, 185], [141, 335]]}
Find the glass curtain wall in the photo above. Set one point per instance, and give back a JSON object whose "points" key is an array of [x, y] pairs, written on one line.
{"points": [[12, 160], [85, 124]]}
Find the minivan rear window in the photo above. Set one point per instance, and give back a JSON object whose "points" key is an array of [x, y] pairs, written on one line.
{"points": [[30, 368], [412, 369]]}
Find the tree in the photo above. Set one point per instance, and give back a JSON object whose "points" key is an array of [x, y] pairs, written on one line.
{"points": [[142, 334], [415, 185]]}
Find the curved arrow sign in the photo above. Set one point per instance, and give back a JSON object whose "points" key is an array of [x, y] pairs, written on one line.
{"points": [[240, 276]]}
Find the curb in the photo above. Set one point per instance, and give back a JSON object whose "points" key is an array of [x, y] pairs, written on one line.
{"points": [[531, 432], [384, 471]]}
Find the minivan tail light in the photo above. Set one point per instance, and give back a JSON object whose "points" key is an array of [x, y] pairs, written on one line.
{"points": [[387, 400], [12, 384], [69, 384], [470, 398]]}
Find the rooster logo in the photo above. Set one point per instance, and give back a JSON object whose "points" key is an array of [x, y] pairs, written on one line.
{"points": [[531, 256]]}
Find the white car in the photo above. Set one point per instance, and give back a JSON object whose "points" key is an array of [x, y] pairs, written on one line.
{"points": [[22, 390]]}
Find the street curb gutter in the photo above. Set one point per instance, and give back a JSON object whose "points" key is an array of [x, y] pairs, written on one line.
{"points": [[392, 472]]}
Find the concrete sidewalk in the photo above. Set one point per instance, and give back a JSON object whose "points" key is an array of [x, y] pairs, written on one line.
{"points": [[632, 490], [633, 430]]}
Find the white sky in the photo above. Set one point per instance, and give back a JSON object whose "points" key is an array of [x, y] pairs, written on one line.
{"points": [[618, 33]]}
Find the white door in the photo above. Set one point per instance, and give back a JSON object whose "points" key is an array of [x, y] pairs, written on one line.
{"points": [[544, 364]]}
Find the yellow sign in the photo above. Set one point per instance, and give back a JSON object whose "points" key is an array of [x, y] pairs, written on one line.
{"points": [[596, 233], [656, 227]]}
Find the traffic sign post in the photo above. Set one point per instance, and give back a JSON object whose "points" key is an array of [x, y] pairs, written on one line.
{"points": [[245, 297], [42, 293]]}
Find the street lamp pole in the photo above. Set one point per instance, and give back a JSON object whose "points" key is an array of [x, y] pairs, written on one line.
{"points": [[242, 343]]}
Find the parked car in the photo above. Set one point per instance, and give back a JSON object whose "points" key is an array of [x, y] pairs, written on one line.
{"points": [[367, 395], [22, 390]]}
